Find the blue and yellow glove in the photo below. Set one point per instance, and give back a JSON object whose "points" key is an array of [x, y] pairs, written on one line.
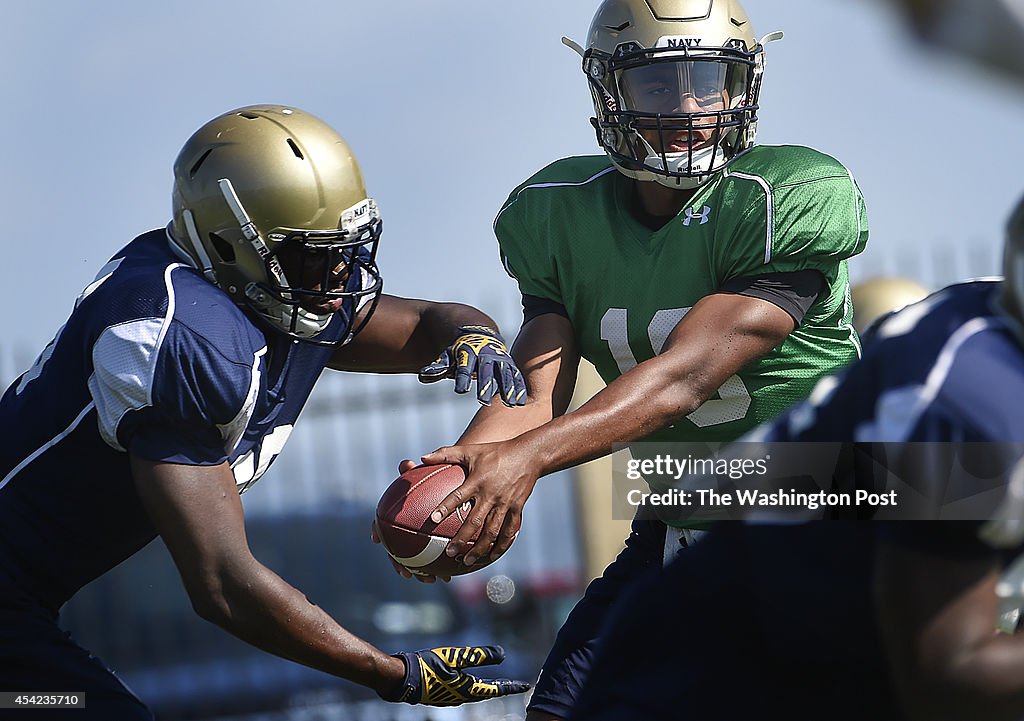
{"points": [[479, 352], [435, 676]]}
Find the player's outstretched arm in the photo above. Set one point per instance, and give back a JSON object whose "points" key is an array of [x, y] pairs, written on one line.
{"points": [[720, 335], [198, 513], [439, 341], [937, 614]]}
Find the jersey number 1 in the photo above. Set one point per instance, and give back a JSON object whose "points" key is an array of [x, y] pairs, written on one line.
{"points": [[733, 399]]}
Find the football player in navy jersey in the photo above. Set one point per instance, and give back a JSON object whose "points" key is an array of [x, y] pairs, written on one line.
{"points": [[176, 381], [853, 620]]}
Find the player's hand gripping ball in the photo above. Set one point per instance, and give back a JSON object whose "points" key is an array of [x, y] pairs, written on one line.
{"points": [[479, 352], [404, 526]]}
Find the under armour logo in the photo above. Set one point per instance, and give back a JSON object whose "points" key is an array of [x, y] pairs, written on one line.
{"points": [[703, 216]]}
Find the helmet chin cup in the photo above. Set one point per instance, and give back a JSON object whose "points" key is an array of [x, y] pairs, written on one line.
{"points": [[680, 182], [679, 173], [292, 319], [676, 183]]}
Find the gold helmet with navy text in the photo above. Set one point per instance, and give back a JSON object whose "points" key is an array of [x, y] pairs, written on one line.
{"points": [[1012, 295], [269, 204], [675, 86]]}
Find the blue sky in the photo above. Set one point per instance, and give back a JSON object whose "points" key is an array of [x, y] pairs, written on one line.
{"points": [[448, 105]]}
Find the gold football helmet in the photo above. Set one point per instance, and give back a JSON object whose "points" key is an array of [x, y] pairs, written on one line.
{"points": [[269, 203], [675, 86], [879, 296]]}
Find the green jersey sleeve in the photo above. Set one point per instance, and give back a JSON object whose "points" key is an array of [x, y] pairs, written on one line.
{"points": [[526, 258], [809, 215]]}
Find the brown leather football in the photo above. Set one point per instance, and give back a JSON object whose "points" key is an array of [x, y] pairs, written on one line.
{"points": [[404, 525]]}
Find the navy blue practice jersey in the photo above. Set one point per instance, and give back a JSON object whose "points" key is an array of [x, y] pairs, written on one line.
{"points": [[948, 369], [936, 401], [155, 361]]}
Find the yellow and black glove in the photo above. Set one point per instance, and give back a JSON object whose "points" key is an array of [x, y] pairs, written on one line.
{"points": [[435, 676], [479, 352]]}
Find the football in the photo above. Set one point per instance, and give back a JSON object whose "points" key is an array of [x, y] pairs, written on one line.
{"points": [[404, 525]]}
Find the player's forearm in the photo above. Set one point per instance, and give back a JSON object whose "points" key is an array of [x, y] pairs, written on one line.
{"points": [[441, 323], [498, 422], [262, 609], [648, 398], [545, 351], [405, 334]]}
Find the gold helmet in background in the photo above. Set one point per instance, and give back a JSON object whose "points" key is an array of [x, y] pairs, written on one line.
{"points": [[269, 203], [879, 296], [675, 85]]}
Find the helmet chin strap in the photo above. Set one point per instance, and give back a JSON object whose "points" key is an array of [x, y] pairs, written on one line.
{"points": [[250, 232], [197, 249], [292, 319]]}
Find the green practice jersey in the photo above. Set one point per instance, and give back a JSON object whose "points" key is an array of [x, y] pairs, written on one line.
{"points": [[567, 235]]}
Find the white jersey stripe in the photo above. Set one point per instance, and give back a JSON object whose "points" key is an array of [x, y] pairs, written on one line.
{"points": [[856, 204], [124, 362], [768, 213], [49, 444], [897, 411], [233, 431], [550, 185], [509, 204]]}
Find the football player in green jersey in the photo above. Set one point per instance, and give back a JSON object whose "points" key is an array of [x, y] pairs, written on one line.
{"points": [[703, 275]]}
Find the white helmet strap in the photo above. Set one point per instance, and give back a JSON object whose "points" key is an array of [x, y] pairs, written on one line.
{"points": [[250, 232], [200, 250]]}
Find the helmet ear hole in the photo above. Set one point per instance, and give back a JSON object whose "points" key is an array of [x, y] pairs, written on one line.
{"points": [[195, 166], [223, 248]]}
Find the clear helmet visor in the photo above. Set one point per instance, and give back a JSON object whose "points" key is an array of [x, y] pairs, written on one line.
{"points": [[679, 86], [683, 88]]}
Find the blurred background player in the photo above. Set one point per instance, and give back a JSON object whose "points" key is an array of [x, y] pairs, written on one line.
{"points": [[938, 588], [829, 608], [875, 297], [990, 32], [176, 381], [703, 275]]}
